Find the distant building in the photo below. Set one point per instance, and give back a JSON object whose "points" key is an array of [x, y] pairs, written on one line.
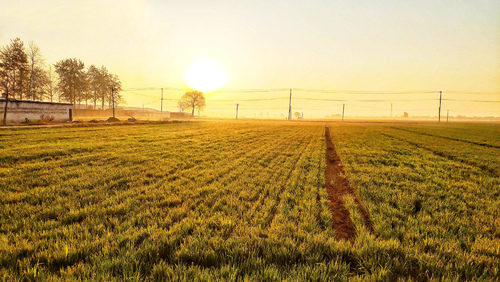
{"points": [[20, 110], [179, 115]]}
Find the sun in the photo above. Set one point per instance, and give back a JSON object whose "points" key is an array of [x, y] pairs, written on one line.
{"points": [[204, 74]]}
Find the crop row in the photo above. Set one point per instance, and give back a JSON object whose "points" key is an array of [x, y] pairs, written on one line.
{"points": [[246, 200], [108, 202], [438, 197]]}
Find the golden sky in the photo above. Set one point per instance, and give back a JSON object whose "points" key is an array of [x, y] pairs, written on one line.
{"points": [[370, 46]]}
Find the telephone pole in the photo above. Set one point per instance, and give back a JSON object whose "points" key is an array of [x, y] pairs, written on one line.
{"points": [[5, 109], [237, 105], [439, 117], [343, 108], [113, 98], [161, 107], [290, 106]]}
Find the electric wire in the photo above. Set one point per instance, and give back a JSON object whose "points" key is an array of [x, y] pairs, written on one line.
{"points": [[228, 104]]}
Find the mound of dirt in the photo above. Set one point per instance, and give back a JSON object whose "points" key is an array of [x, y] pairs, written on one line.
{"points": [[113, 119]]}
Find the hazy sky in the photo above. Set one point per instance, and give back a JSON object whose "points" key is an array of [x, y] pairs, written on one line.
{"points": [[385, 45]]}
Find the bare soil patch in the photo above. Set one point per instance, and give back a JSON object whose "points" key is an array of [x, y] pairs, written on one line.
{"points": [[337, 186]]}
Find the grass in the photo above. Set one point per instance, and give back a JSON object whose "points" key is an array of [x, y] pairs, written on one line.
{"points": [[246, 200]]}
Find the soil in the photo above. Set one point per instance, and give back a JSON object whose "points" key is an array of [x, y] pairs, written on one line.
{"points": [[113, 119], [337, 186]]}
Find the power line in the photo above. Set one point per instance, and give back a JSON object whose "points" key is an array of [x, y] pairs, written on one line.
{"points": [[366, 107], [478, 101], [318, 99], [366, 100], [154, 89], [331, 91], [249, 100], [342, 98], [144, 95], [254, 90], [364, 92], [151, 102], [471, 93]]}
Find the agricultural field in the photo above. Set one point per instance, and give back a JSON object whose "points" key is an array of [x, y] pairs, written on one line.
{"points": [[247, 200]]}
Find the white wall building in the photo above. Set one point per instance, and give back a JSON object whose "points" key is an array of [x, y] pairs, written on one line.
{"points": [[20, 110]]}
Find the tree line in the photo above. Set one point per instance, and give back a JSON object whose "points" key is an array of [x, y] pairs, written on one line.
{"points": [[24, 75]]}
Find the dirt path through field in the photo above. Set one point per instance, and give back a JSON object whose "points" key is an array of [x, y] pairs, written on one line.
{"points": [[337, 186]]}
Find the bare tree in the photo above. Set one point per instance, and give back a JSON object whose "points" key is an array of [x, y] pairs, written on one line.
{"points": [[104, 77], [93, 78], [36, 65], [39, 83], [13, 67], [116, 85], [192, 99], [51, 83]]}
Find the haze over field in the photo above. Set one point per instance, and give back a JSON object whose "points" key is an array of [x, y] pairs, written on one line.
{"points": [[382, 46]]}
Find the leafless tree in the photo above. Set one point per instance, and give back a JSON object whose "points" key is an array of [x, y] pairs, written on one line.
{"points": [[51, 84], [116, 85], [36, 79]]}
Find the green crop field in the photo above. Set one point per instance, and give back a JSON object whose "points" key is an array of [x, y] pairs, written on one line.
{"points": [[247, 201]]}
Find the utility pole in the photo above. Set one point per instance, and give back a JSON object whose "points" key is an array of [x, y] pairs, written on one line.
{"points": [[113, 97], [5, 110], [439, 117], [343, 108], [290, 106], [161, 107], [237, 105], [447, 115]]}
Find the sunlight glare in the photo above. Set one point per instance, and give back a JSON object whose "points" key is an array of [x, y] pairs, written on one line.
{"points": [[204, 74]]}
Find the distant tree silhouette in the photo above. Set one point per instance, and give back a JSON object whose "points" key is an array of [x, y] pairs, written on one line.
{"points": [[51, 89], [192, 99], [95, 80], [72, 79], [78, 85], [297, 114], [13, 68], [38, 79], [100, 83], [23, 72], [13, 71], [115, 83]]}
